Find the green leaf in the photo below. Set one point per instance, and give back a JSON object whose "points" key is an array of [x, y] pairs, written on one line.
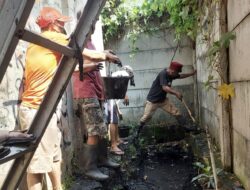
{"points": [[210, 77], [207, 169], [199, 177], [226, 38], [199, 165]]}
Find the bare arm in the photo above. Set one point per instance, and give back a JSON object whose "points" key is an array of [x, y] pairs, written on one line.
{"points": [[97, 56], [185, 75], [170, 90], [90, 67]]}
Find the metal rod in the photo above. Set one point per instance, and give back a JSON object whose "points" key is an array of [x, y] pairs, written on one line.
{"points": [[56, 89], [16, 152], [211, 153]]}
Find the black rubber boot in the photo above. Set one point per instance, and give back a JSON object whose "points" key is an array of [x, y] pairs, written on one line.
{"points": [[140, 127], [89, 160], [187, 126], [103, 159]]}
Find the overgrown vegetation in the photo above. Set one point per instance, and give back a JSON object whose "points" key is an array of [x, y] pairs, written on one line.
{"points": [[68, 182], [205, 176], [186, 17], [148, 16], [217, 44]]}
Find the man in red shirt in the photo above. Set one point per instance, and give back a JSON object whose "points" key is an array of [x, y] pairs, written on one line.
{"points": [[89, 95]]}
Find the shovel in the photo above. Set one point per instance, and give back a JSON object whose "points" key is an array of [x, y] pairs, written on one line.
{"points": [[188, 110]]}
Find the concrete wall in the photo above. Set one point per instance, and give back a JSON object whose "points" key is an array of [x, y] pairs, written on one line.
{"points": [[239, 22], [154, 54], [11, 82], [210, 105]]}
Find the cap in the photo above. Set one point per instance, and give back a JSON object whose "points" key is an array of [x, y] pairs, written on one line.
{"points": [[49, 15], [176, 66]]}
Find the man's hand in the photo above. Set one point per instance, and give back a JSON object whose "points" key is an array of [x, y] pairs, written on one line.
{"points": [[98, 66], [126, 101], [111, 56], [120, 116], [92, 67], [178, 95], [185, 75]]}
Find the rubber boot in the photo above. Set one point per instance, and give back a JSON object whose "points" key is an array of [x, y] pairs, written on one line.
{"points": [[140, 127], [89, 160], [183, 123], [103, 158]]}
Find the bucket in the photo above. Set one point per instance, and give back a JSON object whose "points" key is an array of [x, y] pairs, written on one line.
{"points": [[115, 87], [124, 131]]}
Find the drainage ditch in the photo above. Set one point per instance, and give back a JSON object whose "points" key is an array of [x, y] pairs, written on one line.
{"points": [[160, 160]]}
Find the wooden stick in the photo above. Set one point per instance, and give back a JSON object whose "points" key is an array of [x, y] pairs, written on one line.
{"points": [[212, 158], [189, 111]]}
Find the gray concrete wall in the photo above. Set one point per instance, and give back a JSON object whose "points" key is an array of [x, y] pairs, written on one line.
{"points": [[239, 22], [154, 54], [210, 104], [208, 100]]}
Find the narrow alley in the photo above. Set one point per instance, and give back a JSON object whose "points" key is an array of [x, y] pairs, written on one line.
{"points": [[124, 95]]}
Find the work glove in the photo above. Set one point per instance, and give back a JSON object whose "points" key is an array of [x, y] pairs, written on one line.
{"points": [[111, 56]]}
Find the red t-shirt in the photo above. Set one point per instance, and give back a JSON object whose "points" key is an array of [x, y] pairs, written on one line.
{"points": [[92, 84]]}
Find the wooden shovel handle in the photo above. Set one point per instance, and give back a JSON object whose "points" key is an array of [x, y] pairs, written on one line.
{"points": [[189, 112]]}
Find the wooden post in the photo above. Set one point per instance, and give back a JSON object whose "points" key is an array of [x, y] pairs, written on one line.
{"points": [[225, 121]]}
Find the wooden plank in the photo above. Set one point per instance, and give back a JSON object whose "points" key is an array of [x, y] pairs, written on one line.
{"points": [[225, 121]]}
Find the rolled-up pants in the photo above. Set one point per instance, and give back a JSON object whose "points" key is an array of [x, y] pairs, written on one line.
{"points": [[150, 109]]}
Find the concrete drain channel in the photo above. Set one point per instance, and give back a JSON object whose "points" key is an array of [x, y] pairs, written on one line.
{"points": [[163, 161]]}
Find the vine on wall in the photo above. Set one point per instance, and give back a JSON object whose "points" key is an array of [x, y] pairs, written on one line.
{"points": [[216, 48], [214, 54], [149, 16], [137, 17]]}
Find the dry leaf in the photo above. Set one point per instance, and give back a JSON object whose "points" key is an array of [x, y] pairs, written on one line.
{"points": [[226, 91]]}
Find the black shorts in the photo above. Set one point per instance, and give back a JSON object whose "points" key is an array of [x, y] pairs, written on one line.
{"points": [[112, 118]]}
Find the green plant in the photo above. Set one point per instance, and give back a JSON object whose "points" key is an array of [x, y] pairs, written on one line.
{"points": [[138, 16], [215, 56], [132, 151], [67, 182], [133, 17], [183, 17], [205, 176]]}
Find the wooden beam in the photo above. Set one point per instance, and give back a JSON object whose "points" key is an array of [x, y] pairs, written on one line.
{"points": [[225, 120]]}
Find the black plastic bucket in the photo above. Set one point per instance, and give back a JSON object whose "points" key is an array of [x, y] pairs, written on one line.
{"points": [[124, 131], [115, 87]]}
